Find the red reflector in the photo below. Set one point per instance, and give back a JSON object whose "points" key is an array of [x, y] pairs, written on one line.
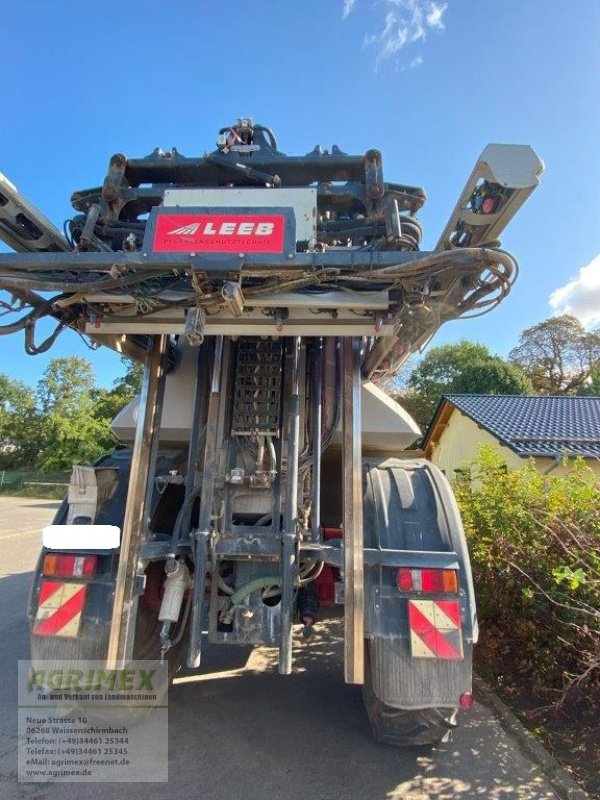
{"points": [[60, 608], [62, 565], [427, 580], [404, 580], [466, 701]]}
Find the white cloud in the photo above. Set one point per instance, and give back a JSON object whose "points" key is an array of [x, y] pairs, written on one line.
{"points": [[405, 22], [581, 295], [348, 6], [434, 15]]}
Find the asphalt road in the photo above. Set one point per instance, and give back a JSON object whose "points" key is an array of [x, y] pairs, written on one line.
{"points": [[239, 730]]}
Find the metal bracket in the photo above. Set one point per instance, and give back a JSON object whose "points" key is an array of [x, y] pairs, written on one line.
{"points": [[213, 439], [289, 535], [195, 323], [140, 584], [353, 516], [143, 462], [223, 262]]}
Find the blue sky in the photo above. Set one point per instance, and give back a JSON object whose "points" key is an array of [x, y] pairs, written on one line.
{"points": [[429, 83]]}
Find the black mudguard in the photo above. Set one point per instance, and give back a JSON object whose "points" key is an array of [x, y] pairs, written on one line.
{"points": [[92, 641], [409, 505]]}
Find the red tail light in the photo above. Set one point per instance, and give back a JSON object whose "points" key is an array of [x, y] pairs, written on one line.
{"points": [[63, 565], [431, 581]]}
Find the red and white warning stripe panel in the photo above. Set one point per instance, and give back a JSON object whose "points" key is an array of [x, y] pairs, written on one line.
{"points": [[59, 608], [435, 629]]}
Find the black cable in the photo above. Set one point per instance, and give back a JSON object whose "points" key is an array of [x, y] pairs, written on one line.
{"points": [[67, 233], [30, 347], [30, 318], [39, 280]]}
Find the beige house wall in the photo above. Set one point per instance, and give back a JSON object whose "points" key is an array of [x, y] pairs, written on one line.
{"points": [[461, 437]]}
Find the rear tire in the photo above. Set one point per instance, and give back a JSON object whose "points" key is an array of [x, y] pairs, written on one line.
{"points": [[400, 727]]}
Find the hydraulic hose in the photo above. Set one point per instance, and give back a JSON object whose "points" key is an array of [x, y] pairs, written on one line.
{"points": [[263, 582], [43, 284], [30, 318], [463, 257]]}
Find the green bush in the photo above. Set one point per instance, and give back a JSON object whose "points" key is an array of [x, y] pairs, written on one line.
{"points": [[535, 550]]}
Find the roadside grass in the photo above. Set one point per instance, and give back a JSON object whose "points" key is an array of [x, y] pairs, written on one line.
{"points": [[33, 483], [49, 492]]}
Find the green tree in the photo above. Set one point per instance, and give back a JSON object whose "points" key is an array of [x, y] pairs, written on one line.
{"points": [[108, 402], [66, 385], [492, 376], [591, 387], [131, 381], [19, 423], [13, 395], [463, 368], [419, 406], [442, 366], [66, 419], [71, 433], [558, 355]]}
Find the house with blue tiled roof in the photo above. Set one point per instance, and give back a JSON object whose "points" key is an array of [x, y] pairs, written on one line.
{"points": [[547, 429]]}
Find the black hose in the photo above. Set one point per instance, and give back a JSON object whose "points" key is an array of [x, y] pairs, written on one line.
{"points": [[42, 284], [30, 318], [186, 507], [31, 349], [337, 395]]}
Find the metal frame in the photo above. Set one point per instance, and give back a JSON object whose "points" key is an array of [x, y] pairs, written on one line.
{"points": [[353, 515], [289, 536], [143, 463], [128, 179], [253, 322], [317, 438], [202, 533], [347, 258]]}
